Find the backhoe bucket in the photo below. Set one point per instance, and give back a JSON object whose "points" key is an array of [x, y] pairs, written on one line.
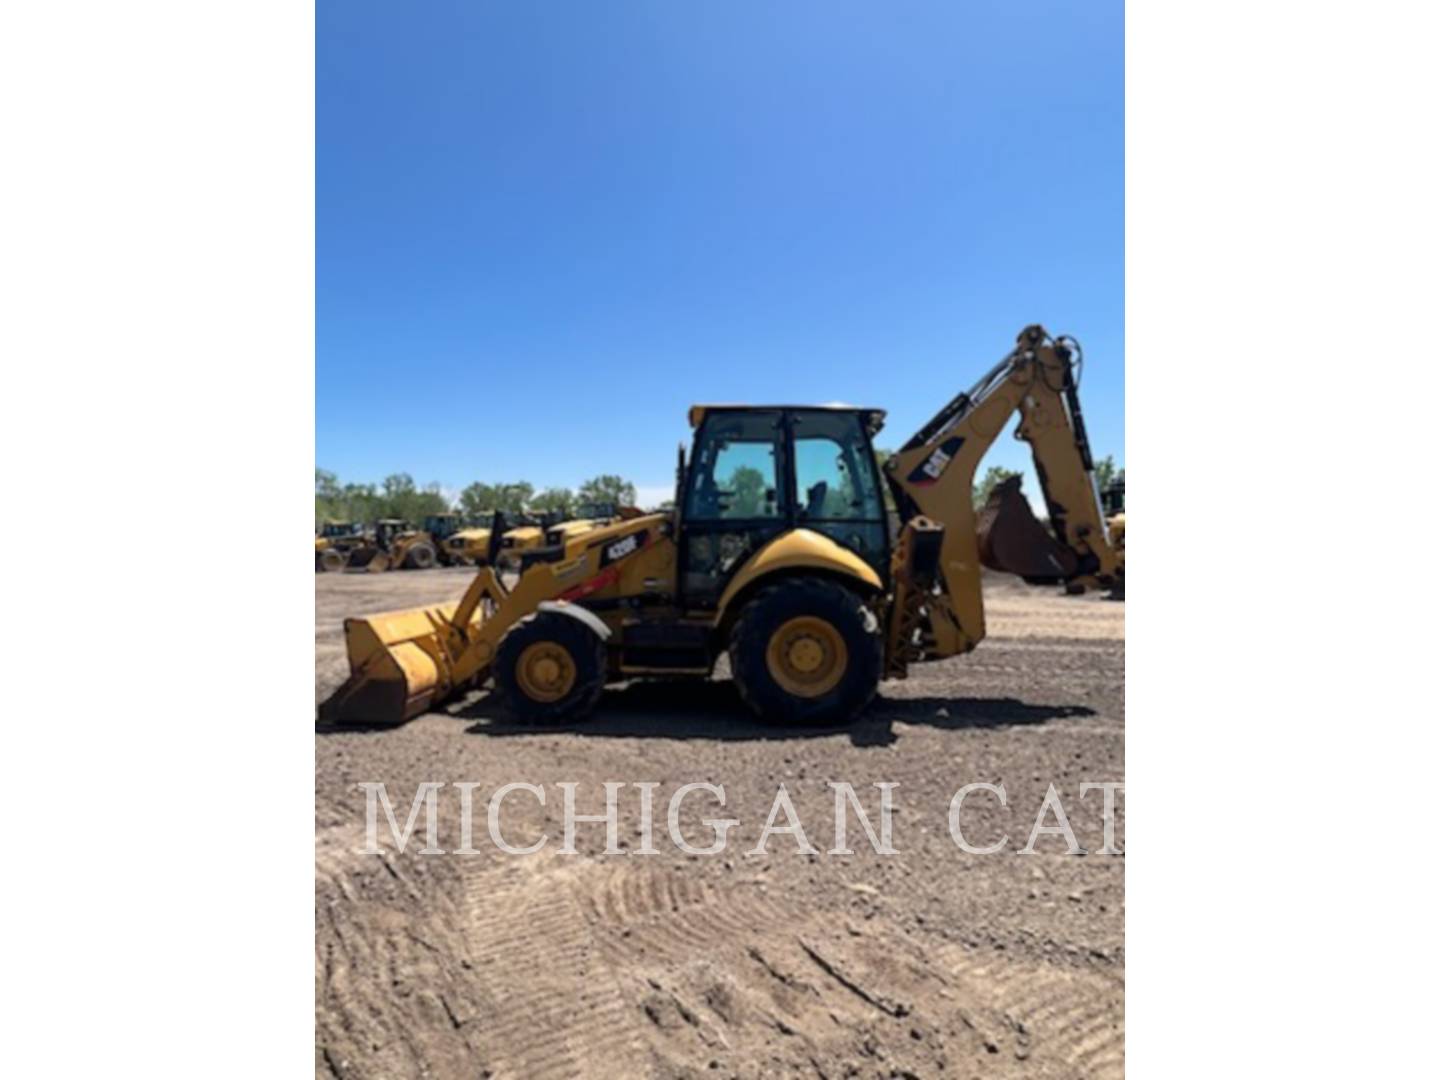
{"points": [[1014, 542], [398, 667]]}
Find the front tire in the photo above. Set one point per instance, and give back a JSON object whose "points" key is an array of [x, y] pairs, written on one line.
{"points": [[420, 557], [803, 652], [550, 669]]}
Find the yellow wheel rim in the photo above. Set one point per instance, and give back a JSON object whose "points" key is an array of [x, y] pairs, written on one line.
{"points": [[545, 671], [807, 656]]}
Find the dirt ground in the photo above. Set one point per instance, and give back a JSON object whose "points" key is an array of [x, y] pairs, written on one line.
{"points": [[928, 962]]}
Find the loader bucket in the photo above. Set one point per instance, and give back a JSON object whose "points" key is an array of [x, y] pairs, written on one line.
{"points": [[398, 667], [1014, 542]]}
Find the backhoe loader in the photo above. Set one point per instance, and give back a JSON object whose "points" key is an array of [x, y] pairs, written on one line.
{"points": [[587, 518], [469, 545], [777, 554], [525, 534]]}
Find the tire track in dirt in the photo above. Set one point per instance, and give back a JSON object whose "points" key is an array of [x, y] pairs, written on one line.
{"points": [[621, 967], [1075, 1019], [560, 1012]]}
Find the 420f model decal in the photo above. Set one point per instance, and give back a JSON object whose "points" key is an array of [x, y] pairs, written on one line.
{"points": [[615, 550]]}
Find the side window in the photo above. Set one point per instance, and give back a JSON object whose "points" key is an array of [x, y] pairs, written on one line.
{"points": [[833, 479], [736, 473]]}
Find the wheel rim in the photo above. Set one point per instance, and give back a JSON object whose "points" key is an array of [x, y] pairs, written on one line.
{"points": [[807, 656], [545, 671]]}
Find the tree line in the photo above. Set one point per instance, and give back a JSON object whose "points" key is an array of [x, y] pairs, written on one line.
{"points": [[398, 496]]}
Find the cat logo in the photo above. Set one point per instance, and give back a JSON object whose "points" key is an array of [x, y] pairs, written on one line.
{"points": [[933, 467]]}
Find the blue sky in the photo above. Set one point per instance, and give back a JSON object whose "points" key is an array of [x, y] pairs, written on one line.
{"points": [[544, 230]]}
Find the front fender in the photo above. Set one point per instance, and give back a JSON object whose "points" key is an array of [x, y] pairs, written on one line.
{"points": [[800, 549]]}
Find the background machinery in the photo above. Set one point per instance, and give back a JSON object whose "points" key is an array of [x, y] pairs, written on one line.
{"points": [[394, 544], [469, 545], [333, 544], [525, 533], [778, 554]]}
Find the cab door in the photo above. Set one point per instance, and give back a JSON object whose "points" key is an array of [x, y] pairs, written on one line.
{"points": [[736, 499]]}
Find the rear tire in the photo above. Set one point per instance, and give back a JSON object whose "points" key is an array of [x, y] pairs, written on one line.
{"points": [[803, 652], [420, 557], [550, 669], [331, 561]]}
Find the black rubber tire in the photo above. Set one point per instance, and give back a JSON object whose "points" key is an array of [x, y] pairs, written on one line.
{"points": [[420, 557], [587, 652], [768, 611], [331, 561]]}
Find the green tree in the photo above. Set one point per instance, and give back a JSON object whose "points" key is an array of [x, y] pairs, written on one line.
{"points": [[513, 498], [607, 489], [327, 496], [993, 475], [554, 500], [478, 500], [430, 501], [359, 503], [327, 485], [1106, 473], [749, 487]]}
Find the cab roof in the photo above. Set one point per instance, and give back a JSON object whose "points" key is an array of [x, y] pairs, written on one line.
{"points": [[874, 419]]}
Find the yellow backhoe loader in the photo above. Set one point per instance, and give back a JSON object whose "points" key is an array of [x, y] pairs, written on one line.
{"points": [[469, 545], [587, 518], [528, 534], [778, 554]]}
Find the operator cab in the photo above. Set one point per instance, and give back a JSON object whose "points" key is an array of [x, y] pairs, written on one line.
{"points": [[387, 530], [441, 526], [758, 472]]}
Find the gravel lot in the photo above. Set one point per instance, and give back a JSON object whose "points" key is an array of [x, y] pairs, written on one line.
{"points": [[927, 962]]}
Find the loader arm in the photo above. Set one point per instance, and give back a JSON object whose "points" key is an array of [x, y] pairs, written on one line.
{"points": [[933, 476], [405, 662]]}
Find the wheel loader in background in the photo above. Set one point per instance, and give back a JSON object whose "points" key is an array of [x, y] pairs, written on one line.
{"points": [[777, 554], [334, 542], [394, 544]]}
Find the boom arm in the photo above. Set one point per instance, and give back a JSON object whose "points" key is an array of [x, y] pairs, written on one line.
{"points": [[934, 474]]}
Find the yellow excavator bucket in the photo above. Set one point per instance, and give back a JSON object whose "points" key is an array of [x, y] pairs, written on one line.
{"points": [[398, 666]]}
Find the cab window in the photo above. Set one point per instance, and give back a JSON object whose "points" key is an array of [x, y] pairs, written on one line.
{"points": [[736, 472], [834, 470]]}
